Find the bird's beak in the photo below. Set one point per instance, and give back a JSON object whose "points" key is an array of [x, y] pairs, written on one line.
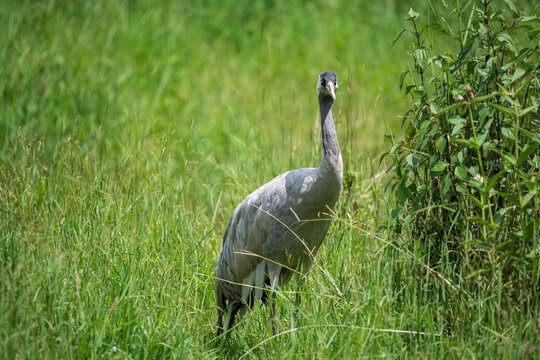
{"points": [[331, 90]]}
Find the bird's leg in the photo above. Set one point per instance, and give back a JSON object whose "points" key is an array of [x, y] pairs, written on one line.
{"points": [[298, 295], [299, 284], [227, 312], [220, 322], [232, 315], [273, 312], [221, 307], [274, 273]]}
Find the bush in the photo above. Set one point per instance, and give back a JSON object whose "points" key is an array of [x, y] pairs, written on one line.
{"points": [[465, 176]]}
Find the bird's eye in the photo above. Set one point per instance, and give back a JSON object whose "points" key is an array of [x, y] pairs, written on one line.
{"points": [[323, 82]]}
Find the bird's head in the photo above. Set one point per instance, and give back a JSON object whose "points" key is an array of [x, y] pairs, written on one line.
{"points": [[327, 84]]}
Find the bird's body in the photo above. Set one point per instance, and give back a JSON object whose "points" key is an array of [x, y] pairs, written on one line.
{"points": [[277, 230]]}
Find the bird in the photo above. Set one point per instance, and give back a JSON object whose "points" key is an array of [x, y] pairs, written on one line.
{"points": [[276, 231]]}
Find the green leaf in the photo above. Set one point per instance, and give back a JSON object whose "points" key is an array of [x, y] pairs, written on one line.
{"points": [[413, 15], [533, 34], [534, 253], [476, 184], [403, 193], [410, 132], [475, 200], [508, 41], [423, 128], [527, 110], [396, 213], [447, 182], [397, 37], [394, 148], [413, 161], [464, 142], [509, 197], [503, 246], [535, 161], [508, 133], [452, 107], [482, 245], [433, 108], [461, 172], [530, 229], [457, 120], [531, 19], [479, 220], [533, 136], [483, 113], [526, 180], [437, 27], [473, 170], [439, 166], [409, 88], [441, 144], [484, 97], [524, 53], [505, 155], [427, 83], [491, 183], [402, 79], [461, 59], [503, 109], [525, 153], [499, 215], [511, 6], [528, 198], [407, 220], [421, 56], [481, 137], [518, 74], [456, 130]]}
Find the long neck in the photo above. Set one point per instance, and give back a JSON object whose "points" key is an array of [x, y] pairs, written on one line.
{"points": [[331, 167], [329, 137]]}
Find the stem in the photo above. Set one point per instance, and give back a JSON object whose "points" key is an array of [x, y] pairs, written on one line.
{"points": [[420, 69], [485, 196], [516, 154]]}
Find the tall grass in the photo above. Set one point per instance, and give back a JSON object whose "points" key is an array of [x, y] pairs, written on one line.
{"points": [[128, 133]]}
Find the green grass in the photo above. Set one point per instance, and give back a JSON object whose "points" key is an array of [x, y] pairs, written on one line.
{"points": [[128, 133]]}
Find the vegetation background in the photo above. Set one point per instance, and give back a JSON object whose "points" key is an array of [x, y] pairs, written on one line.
{"points": [[129, 130]]}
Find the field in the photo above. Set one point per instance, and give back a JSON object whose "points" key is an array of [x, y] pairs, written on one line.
{"points": [[129, 131]]}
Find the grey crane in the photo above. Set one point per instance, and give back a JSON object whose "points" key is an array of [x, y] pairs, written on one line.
{"points": [[277, 229]]}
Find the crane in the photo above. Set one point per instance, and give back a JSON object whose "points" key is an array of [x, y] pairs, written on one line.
{"points": [[276, 230]]}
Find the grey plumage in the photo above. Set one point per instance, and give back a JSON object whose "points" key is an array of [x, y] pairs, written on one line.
{"points": [[278, 228]]}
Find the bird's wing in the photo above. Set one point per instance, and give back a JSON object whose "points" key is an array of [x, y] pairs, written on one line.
{"points": [[252, 247]]}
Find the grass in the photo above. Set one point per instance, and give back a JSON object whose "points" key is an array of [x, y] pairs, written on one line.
{"points": [[128, 133]]}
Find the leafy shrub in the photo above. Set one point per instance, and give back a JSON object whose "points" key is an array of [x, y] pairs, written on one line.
{"points": [[466, 173]]}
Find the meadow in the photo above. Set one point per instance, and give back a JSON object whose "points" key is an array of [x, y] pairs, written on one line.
{"points": [[129, 131]]}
